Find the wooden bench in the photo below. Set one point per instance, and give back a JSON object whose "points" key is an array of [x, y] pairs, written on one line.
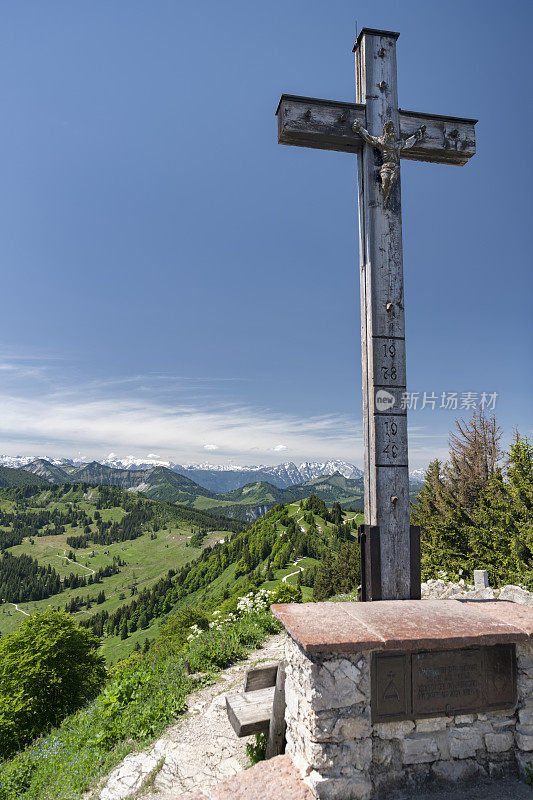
{"points": [[260, 708]]}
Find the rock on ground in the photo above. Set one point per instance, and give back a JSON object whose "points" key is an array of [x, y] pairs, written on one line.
{"points": [[439, 589], [200, 751], [276, 779]]}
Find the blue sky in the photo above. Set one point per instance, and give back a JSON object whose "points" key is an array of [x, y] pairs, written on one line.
{"points": [[177, 283]]}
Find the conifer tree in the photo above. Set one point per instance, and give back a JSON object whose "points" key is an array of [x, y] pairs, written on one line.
{"points": [[336, 514], [475, 453], [143, 621], [489, 525], [323, 587]]}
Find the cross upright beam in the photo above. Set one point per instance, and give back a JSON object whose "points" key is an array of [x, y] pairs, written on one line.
{"points": [[381, 133]]}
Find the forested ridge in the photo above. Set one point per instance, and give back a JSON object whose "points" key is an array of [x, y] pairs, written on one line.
{"points": [[250, 559], [20, 478], [23, 579]]}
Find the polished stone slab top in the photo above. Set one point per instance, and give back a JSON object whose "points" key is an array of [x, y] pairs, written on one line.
{"points": [[506, 611], [403, 625]]}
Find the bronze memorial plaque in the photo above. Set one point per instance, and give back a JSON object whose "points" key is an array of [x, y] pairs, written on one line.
{"points": [[392, 684], [441, 683], [446, 682]]}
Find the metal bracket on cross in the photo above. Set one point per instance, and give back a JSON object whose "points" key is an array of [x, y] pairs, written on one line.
{"points": [[370, 552]]}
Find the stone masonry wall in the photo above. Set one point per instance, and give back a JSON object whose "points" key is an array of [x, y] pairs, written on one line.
{"points": [[343, 756]]}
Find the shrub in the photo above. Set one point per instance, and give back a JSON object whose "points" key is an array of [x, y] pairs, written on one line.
{"points": [[175, 628], [48, 668], [286, 593], [143, 694], [256, 751]]}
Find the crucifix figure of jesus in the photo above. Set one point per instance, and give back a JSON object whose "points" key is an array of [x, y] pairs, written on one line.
{"points": [[381, 134], [391, 148]]}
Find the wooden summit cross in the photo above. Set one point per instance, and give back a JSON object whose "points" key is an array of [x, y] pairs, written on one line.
{"points": [[381, 133]]}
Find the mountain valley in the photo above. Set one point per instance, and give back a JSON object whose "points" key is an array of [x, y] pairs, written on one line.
{"points": [[245, 502]]}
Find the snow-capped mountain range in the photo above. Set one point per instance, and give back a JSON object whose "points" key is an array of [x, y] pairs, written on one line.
{"points": [[218, 478], [282, 475]]}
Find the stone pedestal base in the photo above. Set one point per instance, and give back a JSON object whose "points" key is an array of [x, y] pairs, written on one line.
{"points": [[343, 755]]}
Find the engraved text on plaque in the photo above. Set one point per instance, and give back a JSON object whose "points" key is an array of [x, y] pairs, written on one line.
{"points": [[442, 683]]}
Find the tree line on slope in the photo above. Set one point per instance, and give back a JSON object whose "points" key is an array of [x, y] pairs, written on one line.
{"points": [[476, 511], [23, 579], [28, 519]]}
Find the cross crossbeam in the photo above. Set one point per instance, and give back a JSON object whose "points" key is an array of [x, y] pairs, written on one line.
{"points": [[328, 125]]}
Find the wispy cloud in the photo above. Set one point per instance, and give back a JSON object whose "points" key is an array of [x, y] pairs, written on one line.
{"points": [[130, 414], [19, 368], [174, 431]]}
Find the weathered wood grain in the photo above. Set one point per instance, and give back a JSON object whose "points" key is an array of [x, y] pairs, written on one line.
{"points": [[383, 323], [260, 677], [327, 125], [250, 712], [321, 124], [276, 732]]}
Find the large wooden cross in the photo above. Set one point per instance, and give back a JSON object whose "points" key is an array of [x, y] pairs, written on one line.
{"points": [[381, 133]]}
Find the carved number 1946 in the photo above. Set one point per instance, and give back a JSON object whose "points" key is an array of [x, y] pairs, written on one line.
{"points": [[391, 449]]}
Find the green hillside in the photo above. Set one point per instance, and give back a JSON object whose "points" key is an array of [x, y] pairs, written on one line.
{"points": [[305, 545], [120, 562], [64, 546], [259, 492], [19, 478], [331, 489]]}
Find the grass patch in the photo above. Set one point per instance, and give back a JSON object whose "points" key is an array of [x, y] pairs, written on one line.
{"points": [[146, 561]]}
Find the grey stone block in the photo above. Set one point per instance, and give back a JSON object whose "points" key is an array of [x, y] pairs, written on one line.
{"points": [[419, 749], [499, 742], [355, 787], [455, 771], [464, 742], [481, 579]]}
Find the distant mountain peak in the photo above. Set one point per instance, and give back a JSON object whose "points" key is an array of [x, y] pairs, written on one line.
{"points": [[314, 469]]}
